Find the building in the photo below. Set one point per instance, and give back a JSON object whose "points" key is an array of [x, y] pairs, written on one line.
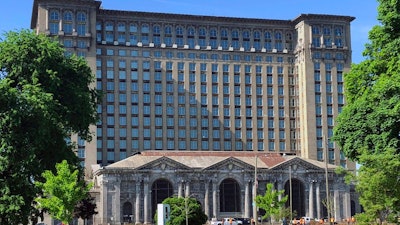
{"points": [[223, 182], [206, 83]]}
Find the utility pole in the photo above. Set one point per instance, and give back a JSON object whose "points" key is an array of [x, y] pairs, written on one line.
{"points": [[290, 192]]}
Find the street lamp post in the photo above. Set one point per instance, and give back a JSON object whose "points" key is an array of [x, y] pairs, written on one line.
{"points": [[255, 214], [186, 210], [327, 182]]}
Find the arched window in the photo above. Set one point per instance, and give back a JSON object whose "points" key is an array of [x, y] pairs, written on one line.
{"points": [[338, 31], [54, 15], [267, 35], [191, 31], [54, 21], [133, 28], [235, 34], [229, 196], [246, 34], [145, 28], [278, 35], [109, 26], [299, 198], [121, 27], [179, 31], [121, 33], [224, 33], [168, 30], [109, 32], [257, 35], [81, 17], [160, 190], [156, 29], [213, 33], [81, 23], [202, 32], [67, 22]]}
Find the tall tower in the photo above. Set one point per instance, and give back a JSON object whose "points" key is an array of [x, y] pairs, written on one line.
{"points": [[323, 55], [73, 23]]}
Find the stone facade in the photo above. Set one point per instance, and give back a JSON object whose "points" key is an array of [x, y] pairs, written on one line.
{"points": [[221, 90], [128, 191]]}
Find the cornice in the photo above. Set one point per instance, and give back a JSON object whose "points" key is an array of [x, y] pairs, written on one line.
{"points": [[185, 18], [322, 17]]}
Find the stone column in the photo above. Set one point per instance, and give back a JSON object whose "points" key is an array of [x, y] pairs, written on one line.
{"points": [[137, 204], [279, 189], [103, 202], [180, 183], [336, 203], [146, 202], [347, 203], [206, 197], [311, 199], [215, 203], [247, 200], [117, 199], [318, 196], [187, 189]]}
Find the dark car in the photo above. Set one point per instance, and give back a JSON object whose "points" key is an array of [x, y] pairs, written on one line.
{"points": [[245, 221]]}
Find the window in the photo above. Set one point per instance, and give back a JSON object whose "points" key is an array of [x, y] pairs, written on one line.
{"points": [[67, 22], [81, 23]]}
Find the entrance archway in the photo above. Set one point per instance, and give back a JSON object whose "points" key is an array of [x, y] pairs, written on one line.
{"points": [[298, 199], [229, 196], [127, 212], [160, 190]]}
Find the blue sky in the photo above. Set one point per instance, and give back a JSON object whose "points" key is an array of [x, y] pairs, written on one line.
{"points": [[16, 14]]}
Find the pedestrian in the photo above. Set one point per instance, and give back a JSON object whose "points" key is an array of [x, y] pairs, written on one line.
{"points": [[284, 221]]}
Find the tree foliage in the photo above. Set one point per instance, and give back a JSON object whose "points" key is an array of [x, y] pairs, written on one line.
{"points": [[62, 191], [85, 208], [368, 129], [45, 97], [271, 203], [371, 118], [378, 183], [196, 214]]}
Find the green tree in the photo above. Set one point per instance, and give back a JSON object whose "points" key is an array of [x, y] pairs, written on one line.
{"points": [[378, 183], [368, 128], [270, 202], [62, 191], [181, 206], [371, 118], [45, 97]]}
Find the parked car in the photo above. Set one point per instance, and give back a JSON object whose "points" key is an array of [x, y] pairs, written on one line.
{"points": [[215, 221]]}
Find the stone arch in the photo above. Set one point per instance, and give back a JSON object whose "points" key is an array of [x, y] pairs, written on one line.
{"points": [[298, 199], [229, 196], [160, 190], [127, 212]]}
